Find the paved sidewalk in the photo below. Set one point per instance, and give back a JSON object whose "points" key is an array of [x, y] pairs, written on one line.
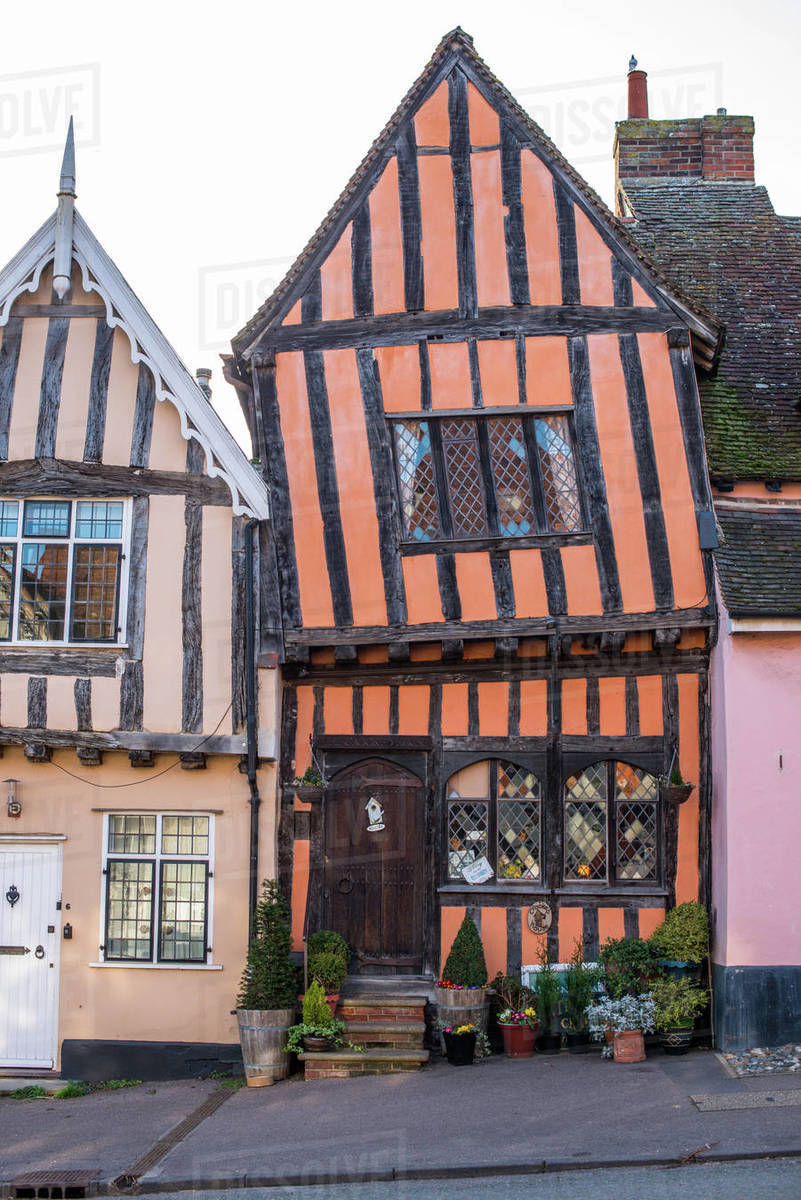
{"points": [[565, 1110]]}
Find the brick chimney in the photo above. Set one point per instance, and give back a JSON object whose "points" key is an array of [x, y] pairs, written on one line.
{"points": [[717, 149]]}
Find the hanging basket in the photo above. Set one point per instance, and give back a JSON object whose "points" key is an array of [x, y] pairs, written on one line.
{"points": [[676, 793]]}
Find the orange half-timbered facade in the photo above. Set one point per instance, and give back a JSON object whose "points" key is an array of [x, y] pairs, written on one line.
{"points": [[478, 410]]}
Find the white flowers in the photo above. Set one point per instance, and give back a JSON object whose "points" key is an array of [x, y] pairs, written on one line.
{"points": [[629, 1012]]}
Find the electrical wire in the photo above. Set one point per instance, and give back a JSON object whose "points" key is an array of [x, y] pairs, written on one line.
{"points": [[150, 778]]}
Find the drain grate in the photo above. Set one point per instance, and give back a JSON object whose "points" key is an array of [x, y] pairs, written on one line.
{"points": [[54, 1185]]}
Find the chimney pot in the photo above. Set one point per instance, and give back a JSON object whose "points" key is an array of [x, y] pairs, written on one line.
{"points": [[722, 112], [203, 376], [638, 91]]}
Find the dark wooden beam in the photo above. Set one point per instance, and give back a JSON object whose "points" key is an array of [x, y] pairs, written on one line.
{"points": [[513, 225], [50, 387], [382, 741], [61, 310], [9, 361], [191, 616], [132, 683], [34, 477], [143, 417], [98, 393], [462, 193]]}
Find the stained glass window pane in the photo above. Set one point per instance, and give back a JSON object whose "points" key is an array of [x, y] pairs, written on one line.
{"points": [[468, 834], [636, 839], [463, 468], [514, 782], [416, 476], [43, 591], [518, 839], [94, 593], [7, 560], [558, 471], [182, 934], [585, 840], [129, 910], [510, 473], [132, 833], [9, 518], [98, 519], [46, 518], [590, 784], [633, 784]]}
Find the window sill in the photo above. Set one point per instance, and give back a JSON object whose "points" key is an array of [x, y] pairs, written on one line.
{"points": [[40, 646], [542, 541], [148, 966]]}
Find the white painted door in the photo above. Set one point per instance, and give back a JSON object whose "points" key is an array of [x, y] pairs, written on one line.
{"points": [[30, 931]]}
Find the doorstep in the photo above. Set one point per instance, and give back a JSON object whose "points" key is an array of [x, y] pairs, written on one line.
{"points": [[347, 1064], [47, 1081]]}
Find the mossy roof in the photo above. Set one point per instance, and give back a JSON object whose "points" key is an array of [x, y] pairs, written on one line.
{"points": [[725, 246]]}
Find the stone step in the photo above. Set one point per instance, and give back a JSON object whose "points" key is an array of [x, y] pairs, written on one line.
{"points": [[400, 1035], [381, 1009], [347, 1064]]}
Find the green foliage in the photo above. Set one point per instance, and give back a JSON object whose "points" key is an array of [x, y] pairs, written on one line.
{"points": [[32, 1092], [334, 1029], [72, 1090], [675, 775], [325, 941], [683, 936], [511, 992], [678, 1002], [547, 992], [580, 984], [315, 1006], [465, 964], [329, 970], [232, 1085], [630, 964], [269, 979]]}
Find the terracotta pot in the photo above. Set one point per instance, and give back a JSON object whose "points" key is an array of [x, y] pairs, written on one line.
{"points": [[629, 1046], [332, 1000], [518, 1040]]}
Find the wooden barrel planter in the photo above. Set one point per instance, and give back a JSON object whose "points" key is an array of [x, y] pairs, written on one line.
{"points": [[262, 1036], [463, 1006]]}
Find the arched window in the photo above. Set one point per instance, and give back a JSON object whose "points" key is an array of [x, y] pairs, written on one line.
{"points": [[611, 832], [495, 812]]}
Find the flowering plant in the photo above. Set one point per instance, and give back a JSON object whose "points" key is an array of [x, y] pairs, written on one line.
{"points": [[629, 1012], [459, 987], [524, 1016], [457, 1029]]}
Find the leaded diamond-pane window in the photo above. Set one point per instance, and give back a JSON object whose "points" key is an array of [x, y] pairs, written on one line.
{"points": [[630, 824], [518, 839], [468, 477], [468, 834]]}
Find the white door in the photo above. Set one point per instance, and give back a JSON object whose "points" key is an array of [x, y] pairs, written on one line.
{"points": [[30, 931]]}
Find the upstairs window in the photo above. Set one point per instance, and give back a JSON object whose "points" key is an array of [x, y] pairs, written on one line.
{"points": [[61, 566], [477, 477]]}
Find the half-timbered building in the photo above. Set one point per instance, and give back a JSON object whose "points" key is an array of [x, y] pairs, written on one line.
{"points": [[477, 405], [130, 522]]}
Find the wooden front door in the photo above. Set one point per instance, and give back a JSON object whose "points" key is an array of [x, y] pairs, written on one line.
{"points": [[374, 865]]}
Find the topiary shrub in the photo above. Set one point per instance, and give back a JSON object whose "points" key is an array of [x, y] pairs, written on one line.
{"points": [[269, 980], [465, 965], [325, 941], [315, 1006], [329, 970], [683, 936]]}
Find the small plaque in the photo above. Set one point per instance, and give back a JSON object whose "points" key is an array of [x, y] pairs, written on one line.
{"points": [[539, 917], [478, 871]]}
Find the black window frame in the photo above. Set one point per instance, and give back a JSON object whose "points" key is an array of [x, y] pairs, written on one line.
{"points": [[544, 534], [188, 861], [613, 882], [493, 801]]}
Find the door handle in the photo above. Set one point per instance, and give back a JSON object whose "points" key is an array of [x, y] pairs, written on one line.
{"points": [[15, 949]]}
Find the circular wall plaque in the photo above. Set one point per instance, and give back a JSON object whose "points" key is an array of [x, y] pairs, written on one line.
{"points": [[539, 917]]}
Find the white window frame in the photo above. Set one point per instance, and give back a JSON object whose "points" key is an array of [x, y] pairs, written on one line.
{"points": [[153, 963], [71, 541]]}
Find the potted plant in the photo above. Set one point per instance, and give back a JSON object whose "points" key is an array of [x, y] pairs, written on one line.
{"points": [[678, 1003], [519, 1027], [310, 785], [627, 1019], [681, 942], [581, 982], [548, 993], [319, 1030], [266, 999], [328, 942], [673, 787], [630, 965], [330, 971], [461, 992], [460, 1043]]}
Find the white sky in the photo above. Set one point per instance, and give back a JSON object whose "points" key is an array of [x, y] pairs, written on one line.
{"points": [[214, 137]]}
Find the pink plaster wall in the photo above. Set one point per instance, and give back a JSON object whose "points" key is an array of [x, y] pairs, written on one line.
{"points": [[756, 813]]}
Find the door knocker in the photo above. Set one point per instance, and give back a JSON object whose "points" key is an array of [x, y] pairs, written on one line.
{"points": [[39, 952], [12, 895], [345, 886]]}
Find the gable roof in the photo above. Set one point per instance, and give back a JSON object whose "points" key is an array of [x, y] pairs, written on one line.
{"points": [[174, 383], [759, 563], [724, 244], [456, 48]]}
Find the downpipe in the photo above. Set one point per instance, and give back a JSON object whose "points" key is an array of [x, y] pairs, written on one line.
{"points": [[252, 732]]}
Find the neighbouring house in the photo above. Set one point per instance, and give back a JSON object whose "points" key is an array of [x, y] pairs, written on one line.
{"points": [[686, 189], [476, 401], [130, 522]]}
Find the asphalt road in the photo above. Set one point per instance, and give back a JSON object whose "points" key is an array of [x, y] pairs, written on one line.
{"points": [[773, 1179]]}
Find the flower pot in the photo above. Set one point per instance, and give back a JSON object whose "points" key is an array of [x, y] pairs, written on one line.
{"points": [[518, 1040], [463, 1006], [317, 1045], [262, 1036], [460, 1048], [677, 1040], [549, 1043], [676, 793], [578, 1043], [629, 1046]]}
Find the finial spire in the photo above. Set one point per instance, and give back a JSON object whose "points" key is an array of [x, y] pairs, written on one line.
{"points": [[62, 266]]}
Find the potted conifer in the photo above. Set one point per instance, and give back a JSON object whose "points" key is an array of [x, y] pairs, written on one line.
{"points": [[461, 992], [266, 1000], [548, 994], [581, 982], [682, 940]]}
